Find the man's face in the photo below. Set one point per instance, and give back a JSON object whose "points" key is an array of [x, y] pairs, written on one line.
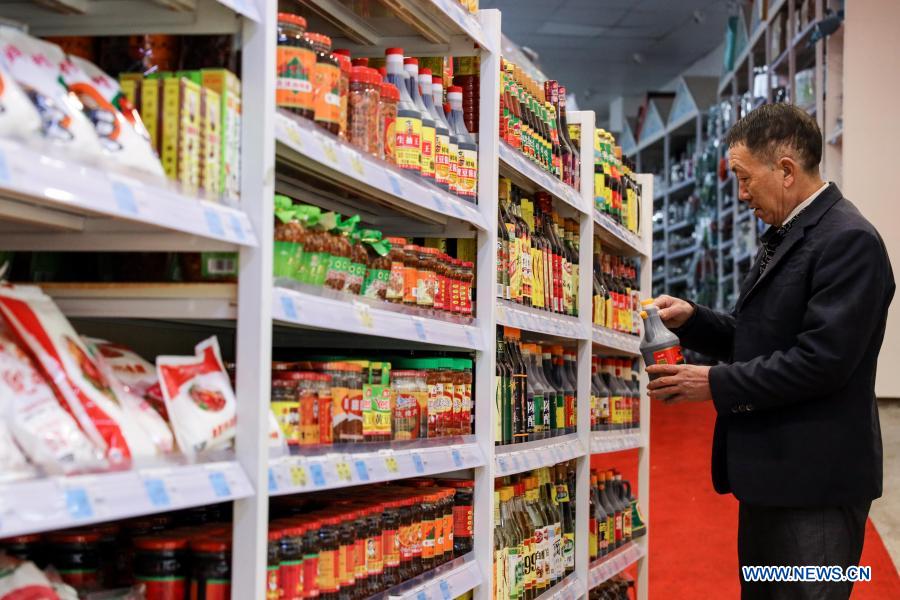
{"points": [[760, 184]]}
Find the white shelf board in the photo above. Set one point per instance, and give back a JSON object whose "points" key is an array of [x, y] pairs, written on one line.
{"points": [[569, 588], [681, 185], [51, 203], [615, 441], [513, 163], [302, 142], [145, 300], [518, 458], [616, 235], [614, 563], [681, 225], [538, 321], [60, 502], [355, 316], [447, 581], [684, 252], [296, 473], [616, 340]]}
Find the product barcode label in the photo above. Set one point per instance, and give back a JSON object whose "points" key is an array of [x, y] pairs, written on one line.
{"points": [[417, 462], [445, 589], [219, 484], [156, 491], [78, 503], [318, 476], [236, 227], [287, 305], [362, 471], [457, 458], [390, 463], [396, 187], [298, 476], [214, 222], [343, 472], [125, 201], [221, 266], [273, 484], [4, 169]]}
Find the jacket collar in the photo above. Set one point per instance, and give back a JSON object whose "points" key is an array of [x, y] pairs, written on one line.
{"points": [[806, 219]]}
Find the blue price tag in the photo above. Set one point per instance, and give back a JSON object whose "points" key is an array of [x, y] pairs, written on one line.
{"points": [[78, 503], [362, 470], [287, 305], [445, 589], [156, 491], [421, 595], [395, 184], [417, 463], [219, 484], [457, 458], [501, 462], [214, 222], [318, 476], [236, 227], [273, 485], [515, 460], [439, 203], [4, 169], [420, 329], [124, 198]]}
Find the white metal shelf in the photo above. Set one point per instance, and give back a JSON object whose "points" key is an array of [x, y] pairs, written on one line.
{"points": [[302, 143], [297, 474], [617, 236], [614, 563], [514, 164], [535, 320], [569, 588], [518, 458], [603, 442], [59, 502], [53, 203], [356, 316], [616, 340], [445, 582], [681, 185]]}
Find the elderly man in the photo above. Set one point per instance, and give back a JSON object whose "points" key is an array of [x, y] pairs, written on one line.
{"points": [[797, 438]]}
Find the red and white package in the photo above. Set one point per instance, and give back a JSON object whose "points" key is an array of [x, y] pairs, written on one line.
{"points": [[22, 580], [199, 398], [18, 117], [137, 374], [73, 372], [149, 420], [46, 433], [13, 464]]}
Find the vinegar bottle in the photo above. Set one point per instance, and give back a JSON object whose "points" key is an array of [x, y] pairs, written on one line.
{"points": [[659, 346]]}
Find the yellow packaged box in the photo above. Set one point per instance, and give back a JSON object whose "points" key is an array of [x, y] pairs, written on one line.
{"points": [[228, 86], [210, 143], [180, 132], [149, 107]]}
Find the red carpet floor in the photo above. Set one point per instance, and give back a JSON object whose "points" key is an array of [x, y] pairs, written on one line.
{"points": [[693, 530]]}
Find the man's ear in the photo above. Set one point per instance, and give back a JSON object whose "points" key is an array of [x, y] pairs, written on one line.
{"points": [[789, 168]]}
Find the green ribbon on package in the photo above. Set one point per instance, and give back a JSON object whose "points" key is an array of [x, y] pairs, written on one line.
{"points": [[372, 237]]}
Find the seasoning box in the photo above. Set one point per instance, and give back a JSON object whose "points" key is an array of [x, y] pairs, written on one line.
{"points": [[378, 401], [228, 87], [180, 129], [150, 113], [210, 143]]}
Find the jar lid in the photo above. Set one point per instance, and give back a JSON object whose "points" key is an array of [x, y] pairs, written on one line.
{"points": [[409, 60], [438, 79], [390, 92], [320, 38], [323, 377], [344, 60], [393, 52], [360, 62], [160, 542], [213, 544], [292, 19], [332, 519], [275, 535], [396, 241], [28, 538], [401, 373], [454, 89], [341, 52], [74, 537]]}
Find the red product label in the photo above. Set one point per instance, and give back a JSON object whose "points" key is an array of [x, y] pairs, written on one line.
{"points": [[669, 356], [163, 588], [310, 574], [273, 583], [211, 589], [173, 377], [80, 578], [291, 573], [391, 547], [462, 521]]}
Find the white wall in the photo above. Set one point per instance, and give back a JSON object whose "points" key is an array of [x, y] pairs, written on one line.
{"points": [[871, 131]]}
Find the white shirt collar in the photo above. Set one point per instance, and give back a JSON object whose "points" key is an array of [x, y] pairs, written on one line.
{"points": [[799, 208]]}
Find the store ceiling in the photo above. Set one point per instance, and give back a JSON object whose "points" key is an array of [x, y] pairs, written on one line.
{"points": [[601, 49]]}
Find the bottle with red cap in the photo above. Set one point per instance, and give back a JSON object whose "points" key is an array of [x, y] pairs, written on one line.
{"points": [[452, 170], [467, 157], [411, 66], [441, 132], [408, 125]]}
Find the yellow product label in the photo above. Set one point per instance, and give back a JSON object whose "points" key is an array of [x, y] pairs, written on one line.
{"points": [[427, 145], [500, 581], [528, 212], [211, 142], [609, 313], [454, 166], [327, 93], [468, 172], [288, 417], [150, 111], [294, 77], [376, 413], [515, 265], [408, 141], [537, 282], [598, 310], [617, 410], [442, 158]]}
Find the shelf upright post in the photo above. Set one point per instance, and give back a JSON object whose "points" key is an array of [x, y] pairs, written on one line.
{"points": [[667, 170], [587, 120], [486, 301], [646, 225], [254, 322]]}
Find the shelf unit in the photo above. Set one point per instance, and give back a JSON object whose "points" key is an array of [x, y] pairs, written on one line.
{"points": [[99, 211]]}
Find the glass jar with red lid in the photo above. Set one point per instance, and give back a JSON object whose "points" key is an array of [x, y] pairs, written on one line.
{"points": [[290, 570], [391, 522], [326, 84], [426, 277], [211, 568], [374, 548], [161, 565], [273, 563], [361, 529], [387, 121], [25, 547], [396, 282], [329, 547], [415, 534], [76, 555], [311, 558], [412, 263], [468, 279], [296, 60], [347, 556]]}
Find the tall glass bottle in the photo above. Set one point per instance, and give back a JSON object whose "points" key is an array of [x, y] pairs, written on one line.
{"points": [[500, 590], [441, 131], [515, 558], [572, 371], [467, 147], [535, 397], [502, 400], [452, 173], [408, 126], [558, 400], [564, 129], [565, 498], [519, 390], [426, 140], [537, 523]]}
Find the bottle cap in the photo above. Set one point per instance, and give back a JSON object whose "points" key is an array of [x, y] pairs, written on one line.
{"points": [[643, 314], [647, 302]]}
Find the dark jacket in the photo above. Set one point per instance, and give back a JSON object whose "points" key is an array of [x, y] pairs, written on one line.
{"points": [[797, 419]]}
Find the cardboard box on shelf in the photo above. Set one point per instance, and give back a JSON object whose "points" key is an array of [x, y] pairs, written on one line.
{"points": [[210, 143], [180, 132], [228, 86]]}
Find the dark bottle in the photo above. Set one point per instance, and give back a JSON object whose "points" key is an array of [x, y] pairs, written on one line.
{"points": [[557, 397], [518, 391], [565, 501], [390, 544], [564, 130], [571, 373]]}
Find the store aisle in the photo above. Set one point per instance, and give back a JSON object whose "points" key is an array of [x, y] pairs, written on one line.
{"points": [[694, 530]]}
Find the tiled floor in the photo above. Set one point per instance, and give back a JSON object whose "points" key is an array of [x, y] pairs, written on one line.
{"points": [[886, 510]]}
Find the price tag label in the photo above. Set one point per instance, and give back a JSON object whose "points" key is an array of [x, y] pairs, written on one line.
{"points": [[417, 462], [343, 472], [298, 476], [219, 484], [419, 325], [362, 471], [396, 186], [421, 595], [124, 198], [445, 589], [526, 462], [439, 203], [214, 222], [330, 152], [318, 475], [236, 227], [364, 315], [501, 464], [273, 485], [515, 462], [4, 169], [293, 135], [457, 458], [78, 503], [390, 463], [358, 166], [156, 491], [287, 306]]}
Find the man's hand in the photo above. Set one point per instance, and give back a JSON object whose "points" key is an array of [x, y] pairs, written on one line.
{"points": [[674, 312], [679, 383]]}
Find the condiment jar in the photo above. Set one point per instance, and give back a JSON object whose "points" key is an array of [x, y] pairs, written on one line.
{"points": [[296, 61], [76, 555], [398, 258], [387, 121], [161, 565], [273, 564], [343, 57], [326, 84], [365, 93], [211, 567]]}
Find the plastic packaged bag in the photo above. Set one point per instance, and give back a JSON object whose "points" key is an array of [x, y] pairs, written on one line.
{"points": [[18, 117], [117, 124], [137, 374], [34, 65], [72, 370], [149, 420], [13, 464], [22, 579], [199, 398], [46, 433]]}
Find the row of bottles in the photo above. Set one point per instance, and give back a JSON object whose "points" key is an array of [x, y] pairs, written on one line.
{"points": [[537, 252], [617, 303], [535, 391], [616, 588], [533, 121], [615, 517], [615, 393], [534, 531], [430, 141], [617, 193]]}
